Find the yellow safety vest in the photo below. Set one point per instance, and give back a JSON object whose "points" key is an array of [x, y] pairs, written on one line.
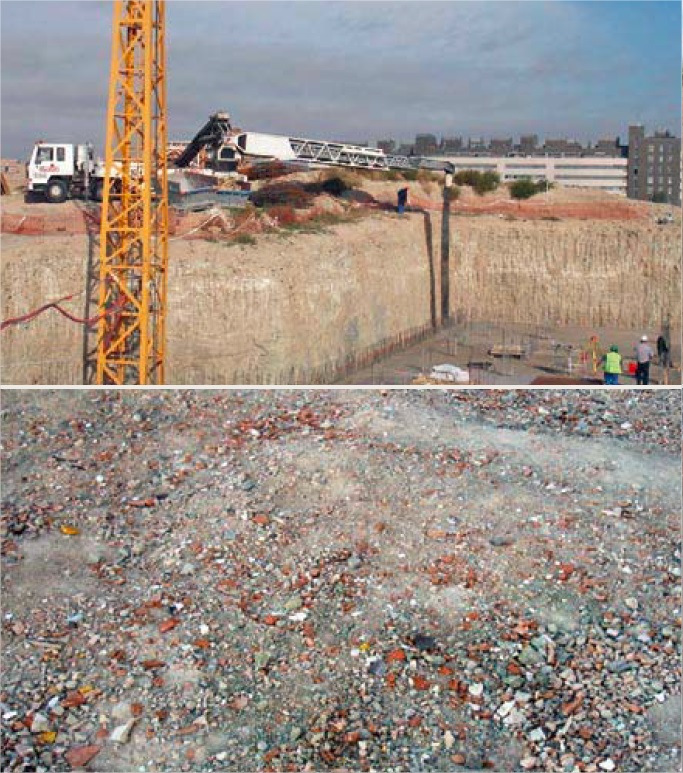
{"points": [[612, 362]]}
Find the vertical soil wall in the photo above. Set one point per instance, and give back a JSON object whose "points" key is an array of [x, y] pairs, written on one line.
{"points": [[305, 307]]}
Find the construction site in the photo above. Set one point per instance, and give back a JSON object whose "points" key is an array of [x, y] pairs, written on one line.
{"points": [[245, 258], [403, 579], [320, 288]]}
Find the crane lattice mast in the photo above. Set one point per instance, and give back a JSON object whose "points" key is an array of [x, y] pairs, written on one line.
{"points": [[134, 226]]}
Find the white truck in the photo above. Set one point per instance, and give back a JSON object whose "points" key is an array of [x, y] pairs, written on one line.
{"points": [[60, 170]]}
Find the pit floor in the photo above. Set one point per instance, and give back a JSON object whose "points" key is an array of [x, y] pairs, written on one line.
{"points": [[552, 353]]}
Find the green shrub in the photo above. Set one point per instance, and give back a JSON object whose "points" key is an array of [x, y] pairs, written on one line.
{"points": [[242, 239], [465, 177], [481, 182], [292, 194], [335, 186], [525, 188], [348, 177]]}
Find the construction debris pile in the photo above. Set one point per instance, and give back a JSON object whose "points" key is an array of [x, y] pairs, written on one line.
{"points": [[341, 580]]}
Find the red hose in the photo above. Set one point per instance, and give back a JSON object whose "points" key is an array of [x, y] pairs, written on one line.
{"points": [[55, 305]]}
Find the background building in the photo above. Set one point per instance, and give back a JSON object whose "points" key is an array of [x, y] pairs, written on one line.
{"points": [[605, 174], [607, 147], [648, 168], [528, 144], [500, 147], [388, 146], [654, 166], [426, 145]]}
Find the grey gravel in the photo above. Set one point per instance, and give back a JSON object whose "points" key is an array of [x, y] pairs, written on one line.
{"points": [[341, 580]]}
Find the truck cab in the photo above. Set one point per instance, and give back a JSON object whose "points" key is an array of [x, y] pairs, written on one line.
{"points": [[59, 170]]}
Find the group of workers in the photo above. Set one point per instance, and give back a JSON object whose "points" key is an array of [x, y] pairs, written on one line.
{"points": [[643, 355]]}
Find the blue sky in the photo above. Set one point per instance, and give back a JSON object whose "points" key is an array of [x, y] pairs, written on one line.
{"points": [[356, 70]]}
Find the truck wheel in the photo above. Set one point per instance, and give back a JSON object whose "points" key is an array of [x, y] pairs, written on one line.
{"points": [[55, 192]]}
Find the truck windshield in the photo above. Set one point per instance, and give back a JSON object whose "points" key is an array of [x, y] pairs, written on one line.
{"points": [[43, 155]]}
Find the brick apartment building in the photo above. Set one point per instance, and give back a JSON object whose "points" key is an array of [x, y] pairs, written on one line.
{"points": [[654, 166]]}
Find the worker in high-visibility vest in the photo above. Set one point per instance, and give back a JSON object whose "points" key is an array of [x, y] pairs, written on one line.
{"points": [[611, 364]]}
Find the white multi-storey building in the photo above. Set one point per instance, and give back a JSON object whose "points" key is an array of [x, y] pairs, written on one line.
{"points": [[596, 172]]}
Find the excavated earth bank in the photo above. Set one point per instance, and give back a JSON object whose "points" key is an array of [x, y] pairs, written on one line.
{"points": [[308, 307]]}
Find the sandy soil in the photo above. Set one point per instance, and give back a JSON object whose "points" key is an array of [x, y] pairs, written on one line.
{"points": [[40, 218]]}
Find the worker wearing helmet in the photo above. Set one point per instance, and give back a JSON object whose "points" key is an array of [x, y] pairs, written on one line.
{"points": [[644, 355], [611, 363]]}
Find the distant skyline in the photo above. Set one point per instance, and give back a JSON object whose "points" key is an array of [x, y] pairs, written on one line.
{"points": [[358, 71]]}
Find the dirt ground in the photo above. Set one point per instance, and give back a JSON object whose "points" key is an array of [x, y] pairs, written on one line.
{"points": [[349, 580], [38, 218]]}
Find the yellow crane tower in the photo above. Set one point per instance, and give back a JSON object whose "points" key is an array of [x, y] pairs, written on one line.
{"points": [[134, 225]]}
